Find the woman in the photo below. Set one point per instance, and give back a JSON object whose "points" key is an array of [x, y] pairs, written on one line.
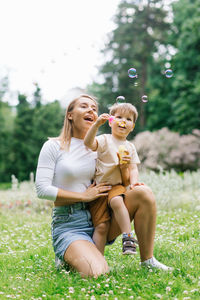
{"points": [[64, 173]]}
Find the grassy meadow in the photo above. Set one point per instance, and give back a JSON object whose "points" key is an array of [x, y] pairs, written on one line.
{"points": [[27, 259]]}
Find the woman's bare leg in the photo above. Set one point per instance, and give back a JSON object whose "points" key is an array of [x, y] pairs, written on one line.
{"points": [[141, 205], [84, 257]]}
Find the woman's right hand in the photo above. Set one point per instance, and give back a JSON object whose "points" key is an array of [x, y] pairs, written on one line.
{"points": [[95, 191]]}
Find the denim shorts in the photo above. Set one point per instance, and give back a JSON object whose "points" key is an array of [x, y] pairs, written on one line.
{"points": [[70, 223]]}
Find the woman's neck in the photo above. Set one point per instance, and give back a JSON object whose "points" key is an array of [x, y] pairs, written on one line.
{"points": [[78, 135]]}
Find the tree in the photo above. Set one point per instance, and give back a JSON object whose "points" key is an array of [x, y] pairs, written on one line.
{"points": [[33, 126], [185, 37], [6, 128], [47, 122], [140, 30], [23, 127], [37, 97]]}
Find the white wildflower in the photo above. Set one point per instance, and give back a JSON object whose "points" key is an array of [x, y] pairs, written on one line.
{"points": [[71, 290]]}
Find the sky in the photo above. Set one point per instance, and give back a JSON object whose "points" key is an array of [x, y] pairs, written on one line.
{"points": [[55, 43]]}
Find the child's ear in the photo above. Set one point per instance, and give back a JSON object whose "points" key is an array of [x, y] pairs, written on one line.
{"points": [[133, 127]]}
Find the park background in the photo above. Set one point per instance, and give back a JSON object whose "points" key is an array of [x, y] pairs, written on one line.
{"points": [[150, 36]]}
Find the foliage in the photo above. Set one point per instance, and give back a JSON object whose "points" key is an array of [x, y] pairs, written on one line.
{"points": [[175, 102], [26, 244], [34, 123], [153, 39], [177, 191], [6, 127], [23, 197], [22, 132], [172, 190], [139, 30], [185, 91], [5, 185], [47, 122], [148, 38], [167, 150], [4, 86], [7, 117], [28, 272]]}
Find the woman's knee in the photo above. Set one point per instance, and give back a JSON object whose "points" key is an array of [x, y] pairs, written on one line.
{"points": [[85, 258], [88, 267], [143, 194], [147, 196]]}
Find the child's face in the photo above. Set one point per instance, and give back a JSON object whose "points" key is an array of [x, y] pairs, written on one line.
{"points": [[122, 125]]}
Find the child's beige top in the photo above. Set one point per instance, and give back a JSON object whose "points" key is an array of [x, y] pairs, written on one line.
{"points": [[107, 166]]}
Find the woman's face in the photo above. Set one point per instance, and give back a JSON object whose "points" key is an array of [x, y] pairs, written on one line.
{"points": [[83, 116]]}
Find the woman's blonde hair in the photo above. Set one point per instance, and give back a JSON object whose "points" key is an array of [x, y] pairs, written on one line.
{"points": [[67, 129], [124, 107]]}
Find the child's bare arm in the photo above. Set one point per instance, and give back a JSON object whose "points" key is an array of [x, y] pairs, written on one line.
{"points": [[90, 140], [125, 173], [134, 175]]}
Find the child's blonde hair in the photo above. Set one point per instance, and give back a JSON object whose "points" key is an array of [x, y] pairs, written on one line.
{"points": [[124, 107]]}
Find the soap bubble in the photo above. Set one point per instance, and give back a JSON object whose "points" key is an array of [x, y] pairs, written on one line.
{"points": [[132, 73], [111, 119], [144, 98], [168, 73], [120, 99]]}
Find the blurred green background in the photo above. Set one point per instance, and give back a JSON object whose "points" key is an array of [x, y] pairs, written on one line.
{"points": [[151, 39]]}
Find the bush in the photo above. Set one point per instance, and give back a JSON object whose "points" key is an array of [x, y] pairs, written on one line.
{"points": [[167, 150], [5, 185]]}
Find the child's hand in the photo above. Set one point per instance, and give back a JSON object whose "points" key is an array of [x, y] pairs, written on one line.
{"points": [[102, 119], [124, 160], [136, 184]]}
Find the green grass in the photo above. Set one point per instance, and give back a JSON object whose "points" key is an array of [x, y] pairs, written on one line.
{"points": [[5, 185], [27, 262]]}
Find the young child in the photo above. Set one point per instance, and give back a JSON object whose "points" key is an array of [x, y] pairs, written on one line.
{"points": [[117, 169]]}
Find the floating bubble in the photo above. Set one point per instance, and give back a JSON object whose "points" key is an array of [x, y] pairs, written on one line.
{"points": [[145, 98], [168, 73], [120, 99], [132, 73], [135, 83]]}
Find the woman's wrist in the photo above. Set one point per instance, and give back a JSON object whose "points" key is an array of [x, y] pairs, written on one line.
{"points": [[70, 197]]}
